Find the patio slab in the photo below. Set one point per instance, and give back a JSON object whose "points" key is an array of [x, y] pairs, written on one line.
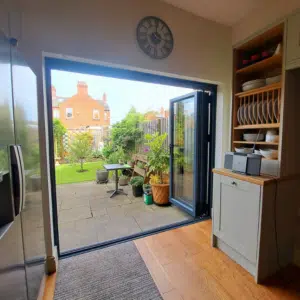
{"points": [[74, 214], [88, 216]]}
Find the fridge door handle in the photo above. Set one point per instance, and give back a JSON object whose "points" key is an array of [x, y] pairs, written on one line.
{"points": [[22, 171], [16, 179]]}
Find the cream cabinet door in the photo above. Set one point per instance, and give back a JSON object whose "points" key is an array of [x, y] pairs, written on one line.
{"points": [[236, 214], [293, 40]]}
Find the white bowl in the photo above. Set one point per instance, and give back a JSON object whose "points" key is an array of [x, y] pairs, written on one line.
{"points": [[274, 79], [272, 138], [269, 153], [253, 84], [253, 137], [257, 152], [244, 150]]}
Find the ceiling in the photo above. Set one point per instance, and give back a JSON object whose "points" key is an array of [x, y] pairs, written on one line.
{"points": [[227, 12]]}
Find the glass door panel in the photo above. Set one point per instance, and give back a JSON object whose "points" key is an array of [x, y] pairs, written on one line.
{"points": [[183, 150], [189, 152]]}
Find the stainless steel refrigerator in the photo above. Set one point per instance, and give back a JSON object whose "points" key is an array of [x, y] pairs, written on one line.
{"points": [[22, 246]]}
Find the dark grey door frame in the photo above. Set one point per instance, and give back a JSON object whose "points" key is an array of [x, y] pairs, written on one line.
{"points": [[86, 68], [201, 158]]}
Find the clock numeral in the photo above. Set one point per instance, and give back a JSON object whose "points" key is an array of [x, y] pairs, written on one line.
{"points": [[155, 52], [167, 35], [142, 35], [148, 48]]}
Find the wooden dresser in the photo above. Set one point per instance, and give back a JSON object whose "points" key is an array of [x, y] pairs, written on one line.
{"points": [[255, 218]]}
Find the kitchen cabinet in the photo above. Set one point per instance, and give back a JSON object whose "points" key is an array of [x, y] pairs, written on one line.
{"points": [[236, 211], [243, 224], [293, 41]]}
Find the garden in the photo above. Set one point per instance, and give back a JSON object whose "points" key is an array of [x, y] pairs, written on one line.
{"points": [[127, 142]]}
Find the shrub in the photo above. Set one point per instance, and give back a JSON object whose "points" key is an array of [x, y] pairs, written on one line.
{"points": [[97, 154], [137, 181]]}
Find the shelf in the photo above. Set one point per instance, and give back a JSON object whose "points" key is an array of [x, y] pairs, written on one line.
{"points": [[263, 65], [263, 89], [257, 143], [257, 126]]}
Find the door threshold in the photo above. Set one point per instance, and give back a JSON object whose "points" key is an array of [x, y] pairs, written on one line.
{"points": [[81, 250]]}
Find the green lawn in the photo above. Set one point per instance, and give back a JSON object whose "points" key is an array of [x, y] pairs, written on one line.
{"points": [[67, 173]]}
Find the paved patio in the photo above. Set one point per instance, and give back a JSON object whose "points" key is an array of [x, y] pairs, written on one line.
{"points": [[86, 214]]}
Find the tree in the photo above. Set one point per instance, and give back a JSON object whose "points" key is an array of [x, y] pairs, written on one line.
{"points": [[58, 132], [81, 148], [127, 133]]}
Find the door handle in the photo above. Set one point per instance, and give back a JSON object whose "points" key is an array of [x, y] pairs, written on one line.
{"points": [[234, 183], [22, 170], [18, 178]]}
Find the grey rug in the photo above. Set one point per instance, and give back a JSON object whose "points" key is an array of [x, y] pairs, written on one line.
{"points": [[116, 272]]}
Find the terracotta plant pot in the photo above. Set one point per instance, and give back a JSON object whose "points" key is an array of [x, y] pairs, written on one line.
{"points": [[160, 193]]}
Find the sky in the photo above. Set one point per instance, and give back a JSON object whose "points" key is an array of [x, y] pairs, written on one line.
{"points": [[121, 94]]}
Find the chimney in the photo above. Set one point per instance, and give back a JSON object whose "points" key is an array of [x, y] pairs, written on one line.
{"points": [[162, 111], [53, 91], [82, 88], [104, 98]]}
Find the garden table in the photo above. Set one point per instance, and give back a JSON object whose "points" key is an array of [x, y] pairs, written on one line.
{"points": [[116, 168]]}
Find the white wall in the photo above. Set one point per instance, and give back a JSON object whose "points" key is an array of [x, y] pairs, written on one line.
{"points": [[104, 31], [268, 12]]}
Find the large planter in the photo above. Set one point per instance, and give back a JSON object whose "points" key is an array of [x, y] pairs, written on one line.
{"points": [[137, 191], [102, 176], [160, 193], [123, 181]]}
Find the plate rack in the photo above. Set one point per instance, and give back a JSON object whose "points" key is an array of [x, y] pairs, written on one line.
{"points": [[257, 110]]}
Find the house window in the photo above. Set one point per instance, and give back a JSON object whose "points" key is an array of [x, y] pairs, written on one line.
{"points": [[56, 114], [69, 113], [96, 114], [105, 116]]}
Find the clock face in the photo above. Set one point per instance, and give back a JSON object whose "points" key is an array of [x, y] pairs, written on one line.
{"points": [[155, 37]]}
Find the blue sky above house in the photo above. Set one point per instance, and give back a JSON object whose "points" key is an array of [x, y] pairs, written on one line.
{"points": [[121, 94]]}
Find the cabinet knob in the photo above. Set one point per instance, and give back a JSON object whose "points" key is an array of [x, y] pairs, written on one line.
{"points": [[233, 183]]}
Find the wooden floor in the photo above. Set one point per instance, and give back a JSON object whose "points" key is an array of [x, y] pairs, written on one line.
{"points": [[185, 266]]}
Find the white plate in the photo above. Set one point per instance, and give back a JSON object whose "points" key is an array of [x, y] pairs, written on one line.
{"points": [[238, 116], [250, 113], [255, 116], [246, 120], [260, 113], [270, 111], [242, 115], [265, 111], [276, 110]]}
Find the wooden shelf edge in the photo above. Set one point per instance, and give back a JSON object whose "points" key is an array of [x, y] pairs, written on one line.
{"points": [[259, 180], [257, 126], [266, 88], [257, 143], [273, 60]]}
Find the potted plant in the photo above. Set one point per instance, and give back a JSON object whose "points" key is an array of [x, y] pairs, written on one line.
{"points": [[137, 185], [123, 180], [101, 176], [158, 165]]}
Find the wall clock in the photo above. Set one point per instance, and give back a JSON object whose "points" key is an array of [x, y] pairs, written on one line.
{"points": [[155, 37]]}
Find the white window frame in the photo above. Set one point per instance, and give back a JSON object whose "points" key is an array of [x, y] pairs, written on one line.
{"points": [[96, 112], [69, 110]]}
